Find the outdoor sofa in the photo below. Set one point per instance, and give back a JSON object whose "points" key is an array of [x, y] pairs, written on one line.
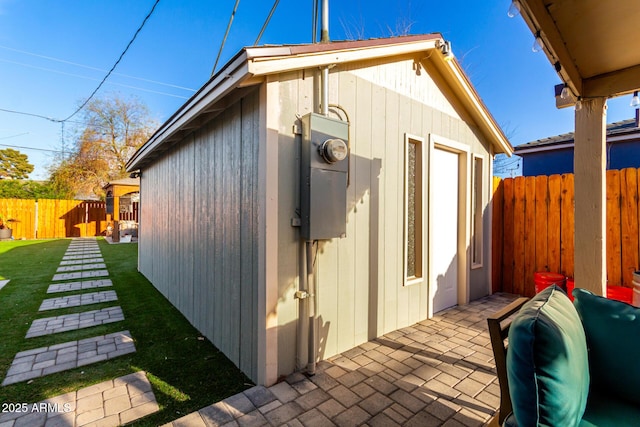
{"points": [[567, 364]]}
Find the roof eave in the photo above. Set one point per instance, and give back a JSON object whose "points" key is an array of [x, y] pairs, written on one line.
{"points": [[228, 78]]}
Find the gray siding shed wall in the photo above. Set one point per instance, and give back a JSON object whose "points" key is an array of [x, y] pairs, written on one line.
{"points": [[360, 277], [199, 228]]}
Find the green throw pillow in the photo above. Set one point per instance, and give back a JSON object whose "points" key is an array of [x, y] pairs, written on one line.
{"points": [[547, 364], [613, 338]]}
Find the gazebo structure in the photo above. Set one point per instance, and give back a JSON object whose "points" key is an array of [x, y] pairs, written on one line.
{"points": [[122, 202], [594, 47]]}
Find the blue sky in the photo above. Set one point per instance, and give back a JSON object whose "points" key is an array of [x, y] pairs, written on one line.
{"points": [[53, 53]]}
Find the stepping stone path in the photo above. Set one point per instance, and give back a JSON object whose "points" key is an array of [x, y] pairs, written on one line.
{"points": [[61, 357], [77, 286], [69, 322], [111, 403], [3, 283], [76, 300]]}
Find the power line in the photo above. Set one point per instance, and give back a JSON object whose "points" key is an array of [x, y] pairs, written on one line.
{"points": [[63, 61], [266, 22], [224, 40], [144, 21], [30, 148], [91, 78]]}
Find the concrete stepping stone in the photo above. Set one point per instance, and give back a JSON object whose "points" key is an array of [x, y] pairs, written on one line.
{"points": [[3, 283], [108, 404], [77, 300], [82, 261], [80, 256], [77, 286], [79, 267], [71, 322], [80, 275], [43, 361]]}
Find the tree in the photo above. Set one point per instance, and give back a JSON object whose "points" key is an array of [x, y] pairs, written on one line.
{"points": [[113, 129], [14, 164]]}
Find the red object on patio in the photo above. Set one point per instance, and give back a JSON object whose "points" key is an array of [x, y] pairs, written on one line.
{"points": [[544, 279], [620, 293]]}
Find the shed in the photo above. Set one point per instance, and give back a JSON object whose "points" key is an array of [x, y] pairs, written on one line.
{"points": [[225, 217]]}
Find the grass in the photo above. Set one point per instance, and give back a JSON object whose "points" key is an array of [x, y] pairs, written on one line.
{"points": [[186, 371]]}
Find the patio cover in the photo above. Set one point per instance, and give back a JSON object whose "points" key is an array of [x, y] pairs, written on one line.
{"points": [[594, 47]]}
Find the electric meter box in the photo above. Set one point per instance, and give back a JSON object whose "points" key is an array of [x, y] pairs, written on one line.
{"points": [[324, 167]]}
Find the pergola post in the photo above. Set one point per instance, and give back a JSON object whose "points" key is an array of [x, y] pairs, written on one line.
{"points": [[590, 157]]}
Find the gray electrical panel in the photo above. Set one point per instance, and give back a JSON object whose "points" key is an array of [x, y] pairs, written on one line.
{"points": [[324, 167]]}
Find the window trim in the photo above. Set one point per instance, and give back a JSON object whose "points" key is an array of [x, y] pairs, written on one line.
{"points": [[420, 144], [477, 241]]}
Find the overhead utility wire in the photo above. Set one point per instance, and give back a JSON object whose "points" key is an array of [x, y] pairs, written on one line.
{"points": [[91, 78], [224, 40], [116, 64], [266, 22], [50, 58]]}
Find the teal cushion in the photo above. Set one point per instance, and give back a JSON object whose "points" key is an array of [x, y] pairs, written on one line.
{"points": [[607, 410], [547, 364], [613, 338]]}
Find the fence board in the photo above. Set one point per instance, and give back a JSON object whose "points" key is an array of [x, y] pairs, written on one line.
{"points": [[529, 234], [553, 229], [507, 255], [614, 244], [542, 217], [518, 236], [497, 234], [629, 222], [567, 225]]}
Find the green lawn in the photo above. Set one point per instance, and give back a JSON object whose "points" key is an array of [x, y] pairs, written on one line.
{"points": [[186, 371]]}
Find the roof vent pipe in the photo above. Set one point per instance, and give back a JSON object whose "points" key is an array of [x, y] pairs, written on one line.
{"points": [[324, 36]]}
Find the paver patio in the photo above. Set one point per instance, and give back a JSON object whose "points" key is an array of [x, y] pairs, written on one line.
{"points": [[438, 372], [110, 403]]}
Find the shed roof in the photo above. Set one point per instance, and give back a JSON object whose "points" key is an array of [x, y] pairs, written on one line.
{"points": [[249, 67], [134, 182], [618, 131]]}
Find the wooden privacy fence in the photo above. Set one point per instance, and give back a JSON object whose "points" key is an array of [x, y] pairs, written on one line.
{"points": [[533, 229], [48, 219]]}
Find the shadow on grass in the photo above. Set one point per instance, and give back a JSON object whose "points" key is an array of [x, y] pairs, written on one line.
{"points": [[186, 371]]}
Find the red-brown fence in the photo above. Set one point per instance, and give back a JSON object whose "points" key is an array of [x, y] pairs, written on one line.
{"points": [[533, 229], [47, 219]]}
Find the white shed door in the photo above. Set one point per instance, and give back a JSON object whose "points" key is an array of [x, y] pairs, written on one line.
{"points": [[444, 217]]}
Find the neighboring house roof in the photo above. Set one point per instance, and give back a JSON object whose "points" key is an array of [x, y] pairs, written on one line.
{"points": [[619, 131], [249, 67]]}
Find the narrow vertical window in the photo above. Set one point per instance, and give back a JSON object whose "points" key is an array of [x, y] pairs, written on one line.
{"points": [[413, 210], [476, 217]]}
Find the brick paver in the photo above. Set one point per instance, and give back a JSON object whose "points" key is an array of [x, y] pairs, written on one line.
{"points": [[77, 300], [438, 372], [107, 404], [60, 357], [77, 286], [70, 322], [80, 275]]}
